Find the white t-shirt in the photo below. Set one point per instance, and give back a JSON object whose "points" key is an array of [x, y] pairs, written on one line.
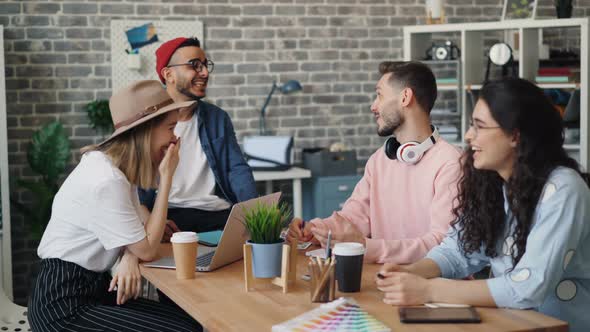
{"points": [[95, 213], [193, 185]]}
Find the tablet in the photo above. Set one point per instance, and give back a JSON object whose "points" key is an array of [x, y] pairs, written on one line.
{"points": [[210, 239], [438, 315]]}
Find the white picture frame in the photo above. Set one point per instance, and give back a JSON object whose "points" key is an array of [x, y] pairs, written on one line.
{"points": [[519, 10]]}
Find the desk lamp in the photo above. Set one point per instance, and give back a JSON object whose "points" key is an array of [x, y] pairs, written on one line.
{"points": [[287, 88]]}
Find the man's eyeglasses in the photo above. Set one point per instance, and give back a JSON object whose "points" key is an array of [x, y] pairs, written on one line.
{"points": [[197, 65], [477, 128]]}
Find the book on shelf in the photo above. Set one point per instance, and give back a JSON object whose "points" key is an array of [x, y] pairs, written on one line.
{"points": [[558, 74], [555, 71], [446, 81], [553, 79]]}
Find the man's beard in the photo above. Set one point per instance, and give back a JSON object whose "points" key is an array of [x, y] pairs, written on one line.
{"points": [[390, 125], [181, 87], [187, 93]]}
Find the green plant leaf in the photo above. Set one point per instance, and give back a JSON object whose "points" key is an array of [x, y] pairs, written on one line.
{"points": [[49, 152], [265, 222], [99, 114], [39, 213]]}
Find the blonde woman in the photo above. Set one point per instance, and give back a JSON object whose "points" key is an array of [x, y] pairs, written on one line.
{"points": [[96, 218]]}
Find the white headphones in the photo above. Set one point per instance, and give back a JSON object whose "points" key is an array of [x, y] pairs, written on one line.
{"points": [[409, 152]]}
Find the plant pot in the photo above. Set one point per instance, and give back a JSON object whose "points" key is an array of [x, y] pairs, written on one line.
{"points": [[564, 11], [266, 259]]}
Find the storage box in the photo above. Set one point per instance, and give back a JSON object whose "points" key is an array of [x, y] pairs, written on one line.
{"points": [[322, 162]]}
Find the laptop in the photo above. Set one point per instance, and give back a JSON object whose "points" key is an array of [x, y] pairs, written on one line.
{"points": [[230, 247]]}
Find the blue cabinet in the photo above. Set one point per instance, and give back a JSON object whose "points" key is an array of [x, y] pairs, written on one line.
{"points": [[326, 194]]}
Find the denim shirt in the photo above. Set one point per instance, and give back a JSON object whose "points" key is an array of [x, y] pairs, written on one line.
{"points": [[553, 275], [233, 176]]}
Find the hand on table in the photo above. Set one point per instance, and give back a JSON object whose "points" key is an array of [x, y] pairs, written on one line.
{"points": [[297, 234], [345, 231], [401, 287]]}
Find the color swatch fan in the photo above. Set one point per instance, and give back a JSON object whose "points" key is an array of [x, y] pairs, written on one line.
{"points": [[343, 315]]}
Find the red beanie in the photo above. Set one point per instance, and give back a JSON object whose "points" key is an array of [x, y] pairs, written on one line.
{"points": [[164, 53]]}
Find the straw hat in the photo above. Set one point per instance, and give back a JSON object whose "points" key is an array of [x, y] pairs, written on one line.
{"points": [[138, 103]]}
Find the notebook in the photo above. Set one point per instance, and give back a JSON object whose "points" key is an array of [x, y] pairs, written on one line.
{"points": [[210, 239], [343, 314]]}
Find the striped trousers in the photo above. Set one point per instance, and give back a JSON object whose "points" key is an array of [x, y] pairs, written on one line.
{"points": [[67, 297]]}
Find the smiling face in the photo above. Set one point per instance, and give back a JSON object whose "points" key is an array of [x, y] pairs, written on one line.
{"points": [[185, 79], [162, 136], [493, 149], [387, 107]]}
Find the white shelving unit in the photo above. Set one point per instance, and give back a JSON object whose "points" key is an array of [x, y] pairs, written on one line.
{"points": [[473, 61]]}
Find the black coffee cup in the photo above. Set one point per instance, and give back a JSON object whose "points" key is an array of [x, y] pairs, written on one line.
{"points": [[349, 266]]}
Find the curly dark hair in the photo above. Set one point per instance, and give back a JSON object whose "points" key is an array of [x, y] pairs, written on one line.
{"points": [[519, 107]]}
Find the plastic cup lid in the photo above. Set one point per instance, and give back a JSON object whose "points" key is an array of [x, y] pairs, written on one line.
{"points": [[348, 249], [184, 237]]}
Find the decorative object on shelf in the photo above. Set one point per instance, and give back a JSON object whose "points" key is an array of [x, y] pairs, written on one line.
{"points": [[287, 88], [47, 154], [435, 11], [500, 54], [99, 115], [519, 9], [446, 51], [564, 8], [264, 222]]}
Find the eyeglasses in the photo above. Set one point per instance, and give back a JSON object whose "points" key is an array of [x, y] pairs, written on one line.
{"points": [[477, 128], [197, 65]]}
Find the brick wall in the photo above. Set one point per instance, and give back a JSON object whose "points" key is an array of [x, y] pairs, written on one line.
{"points": [[58, 59]]}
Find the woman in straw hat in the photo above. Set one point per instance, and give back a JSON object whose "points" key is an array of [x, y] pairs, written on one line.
{"points": [[96, 217]]}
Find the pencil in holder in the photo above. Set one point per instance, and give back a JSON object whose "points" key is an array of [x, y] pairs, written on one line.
{"points": [[323, 280]]}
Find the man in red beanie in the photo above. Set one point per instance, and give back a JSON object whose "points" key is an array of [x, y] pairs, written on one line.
{"points": [[212, 174]]}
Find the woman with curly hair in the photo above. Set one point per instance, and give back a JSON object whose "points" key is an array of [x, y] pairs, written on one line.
{"points": [[522, 209]]}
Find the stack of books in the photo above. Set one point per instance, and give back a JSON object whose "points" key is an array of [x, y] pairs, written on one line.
{"points": [[558, 75]]}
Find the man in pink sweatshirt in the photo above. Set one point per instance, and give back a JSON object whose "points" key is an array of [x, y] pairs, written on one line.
{"points": [[402, 206]]}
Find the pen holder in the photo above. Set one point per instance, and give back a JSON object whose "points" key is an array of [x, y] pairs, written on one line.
{"points": [[134, 61], [323, 281]]}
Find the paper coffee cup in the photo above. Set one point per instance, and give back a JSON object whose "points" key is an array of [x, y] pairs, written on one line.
{"points": [[349, 266], [184, 247]]}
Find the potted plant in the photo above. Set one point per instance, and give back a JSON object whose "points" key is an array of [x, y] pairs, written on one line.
{"points": [[99, 115], [265, 222], [47, 154], [563, 8]]}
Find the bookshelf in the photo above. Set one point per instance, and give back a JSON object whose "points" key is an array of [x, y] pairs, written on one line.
{"points": [[472, 41]]}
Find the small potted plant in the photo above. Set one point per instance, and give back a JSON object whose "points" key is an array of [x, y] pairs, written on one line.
{"points": [[265, 222]]}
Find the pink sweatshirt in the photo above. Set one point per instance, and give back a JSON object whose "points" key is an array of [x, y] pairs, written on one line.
{"points": [[404, 210]]}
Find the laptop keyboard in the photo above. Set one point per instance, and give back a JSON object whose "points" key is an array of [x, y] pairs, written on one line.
{"points": [[205, 260]]}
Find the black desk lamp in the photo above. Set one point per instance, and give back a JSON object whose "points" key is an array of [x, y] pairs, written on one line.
{"points": [[289, 87]]}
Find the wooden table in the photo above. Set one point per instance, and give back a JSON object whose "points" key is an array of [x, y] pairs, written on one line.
{"points": [[219, 302]]}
